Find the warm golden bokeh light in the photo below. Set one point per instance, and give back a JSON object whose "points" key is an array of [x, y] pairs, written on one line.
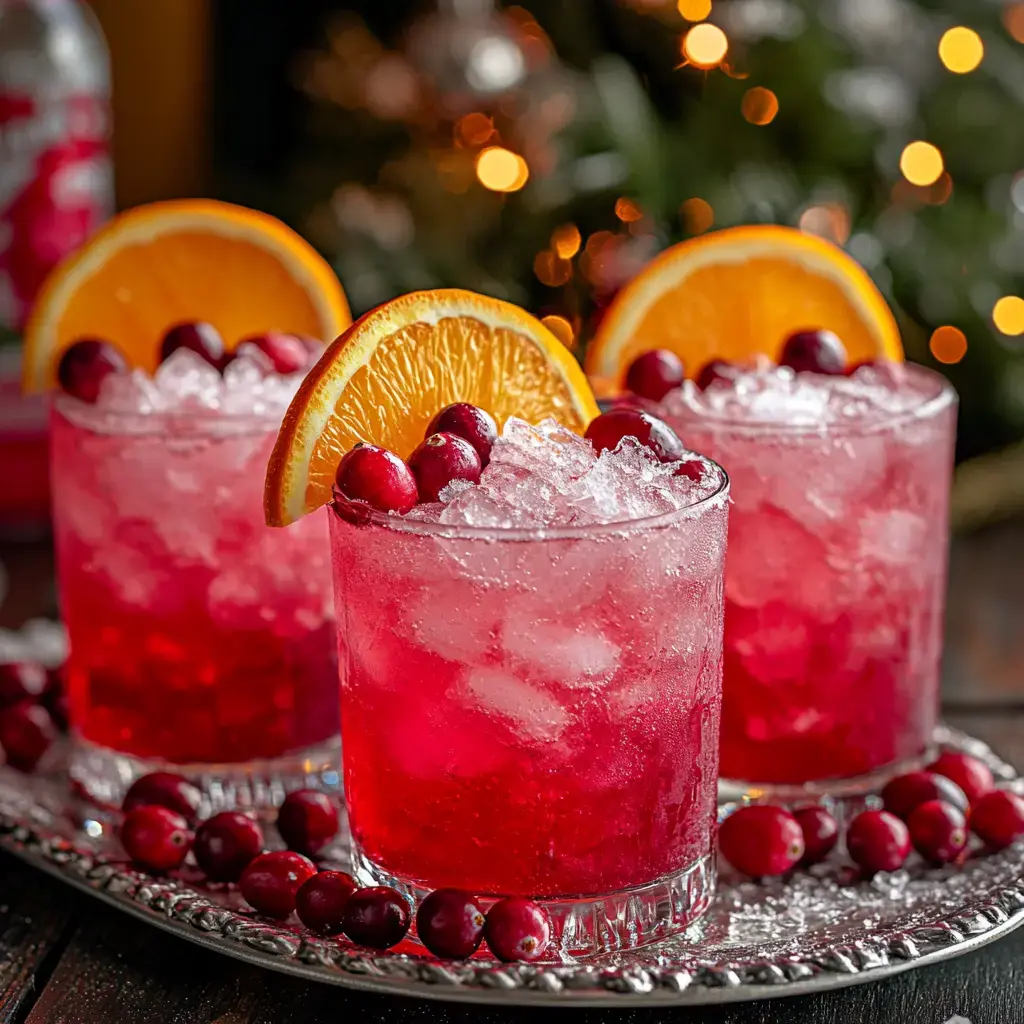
{"points": [[694, 10], [705, 46], [921, 163], [501, 170], [551, 269], [566, 241], [698, 216], [759, 105], [1008, 315], [948, 344], [961, 49], [560, 328], [827, 220], [1013, 19], [474, 129], [626, 210]]}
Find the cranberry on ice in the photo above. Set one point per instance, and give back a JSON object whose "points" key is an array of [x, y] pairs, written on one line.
{"points": [[166, 789], [517, 929], [974, 777], [878, 841], [469, 422], [226, 844], [286, 352], [320, 902], [815, 352], [450, 923], [202, 338], [439, 460], [22, 680], [156, 838], [938, 831], [902, 794], [376, 477], [820, 832], [26, 732], [269, 883], [608, 429], [377, 917], [761, 840], [85, 365], [997, 819], [654, 374], [307, 821], [715, 370]]}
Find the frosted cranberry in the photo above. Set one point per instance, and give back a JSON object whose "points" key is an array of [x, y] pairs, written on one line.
{"points": [[997, 819], [377, 917], [165, 789], [269, 883], [716, 370], [815, 352], [608, 429], [286, 352], [226, 845], [517, 929], [439, 460], [450, 923], [938, 831], [692, 469], [469, 422], [878, 841], [761, 840], [85, 365], [902, 794], [374, 477], [155, 837], [307, 821], [654, 374], [320, 902], [974, 777], [26, 732], [22, 680], [202, 338], [821, 833]]}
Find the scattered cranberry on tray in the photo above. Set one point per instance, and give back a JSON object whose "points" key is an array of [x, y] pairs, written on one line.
{"points": [[270, 883], [26, 733], [377, 917], [608, 429], [938, 831], [821, 833], [165, 789], [375, 477], [761, 840], [226, 844], [22, 680], [439, 460], [450, 923], [517, 929], [997, 819], [469, 422], [974, 777], [307, 821], [905, 792], [156, 837], [878, 841], [85, 365], [654, 374], [321, 901]]}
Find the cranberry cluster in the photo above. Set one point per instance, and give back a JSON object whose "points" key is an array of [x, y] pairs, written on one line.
{"points": [[33, 710], [931, 811], [89, 361]]}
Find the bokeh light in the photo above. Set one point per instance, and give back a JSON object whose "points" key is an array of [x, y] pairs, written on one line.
{"points": [[948, 344], [759, 106], [628, 211], [961, 49], [1008, 315], [705, 46], [501, 170], [551, 269], [474, 129], [560, 328], [698, 215], [1013, 19], [921, 163], [566, 241], [827, 220], [694, 10]]}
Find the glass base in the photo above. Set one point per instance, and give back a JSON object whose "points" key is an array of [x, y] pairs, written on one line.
{"points": [[105, 775], [582, 926]]}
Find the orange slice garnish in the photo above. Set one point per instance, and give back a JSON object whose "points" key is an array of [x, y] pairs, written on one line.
{"points": [[741, 292], [384, 379], [158, 265]]}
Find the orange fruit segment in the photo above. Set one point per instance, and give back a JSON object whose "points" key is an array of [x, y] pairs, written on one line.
{"points": [[157, 265], [384, 379], [740, 292]]}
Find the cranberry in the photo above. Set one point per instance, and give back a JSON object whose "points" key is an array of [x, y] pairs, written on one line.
{"points": [[227, 844], [374, 477], [26, 732], [974, 777], [654, 374], [22, 680], [85, 365], [269, 883], [156, 837], [320, 902], [450, 923], [820, 832], [608, 429], [286, 352], [938, 831], [692, 469], [878, 841], [761, 840], [997, 819], [439, 460], [201, 338], [469, 422], [55, 697], [166, 789], [307, 821], [517, 929], [903, 793], [815, 352], [716, 370], [377, 917]]}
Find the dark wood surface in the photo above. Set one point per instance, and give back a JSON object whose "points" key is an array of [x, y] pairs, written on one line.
{"points": [[66, 959]]}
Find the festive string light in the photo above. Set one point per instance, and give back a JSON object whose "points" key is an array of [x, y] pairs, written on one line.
{"points": [[948, 344], [694, 10], [921, 163], [626, 210], [560, 328], [759, 106], [1008, 315], [501, 170], [698, 215], [705, 46], [961, 49], [566, 241]]}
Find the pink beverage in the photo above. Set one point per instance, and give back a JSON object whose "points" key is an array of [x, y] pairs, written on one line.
{"points": [[199, 637], [835, 580], [531, 686]]}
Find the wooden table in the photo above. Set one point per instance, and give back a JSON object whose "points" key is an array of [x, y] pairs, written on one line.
{"points": [[66, 958]]}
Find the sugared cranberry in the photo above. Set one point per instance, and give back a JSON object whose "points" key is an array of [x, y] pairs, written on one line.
{"points": [[654, 374], [761, 840], [815, 352], [997, 819], [307, 821], [469, 422], [269, 883], [902, 794], [377, 917], [166, 789], [22, 680], [974, 777], [374, 477], [202, 338], [286, 352], [85, 365], [517, 929], [450, 923], [692, 469], [716, 370], [608, 429], [439, 460], [320, 902], [938, 831], [26, 732], [821, 833], [226, 845], [878, 841], [156, 837]]}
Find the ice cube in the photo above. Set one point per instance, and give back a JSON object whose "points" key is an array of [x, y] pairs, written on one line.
{"points": [[571, 655], [134, 392], [452, 619], [187, 379], [534, 713], [895, 536]]}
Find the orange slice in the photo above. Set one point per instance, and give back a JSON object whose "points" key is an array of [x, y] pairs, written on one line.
{"points": [[739, 292], [158, 265], [384, 379]]}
